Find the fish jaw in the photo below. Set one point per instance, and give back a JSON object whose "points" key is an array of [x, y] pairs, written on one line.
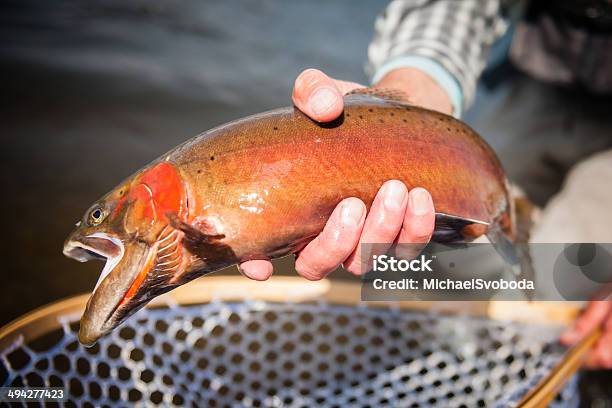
{"points": [[94, 246], [108, 305], [122, 287]]}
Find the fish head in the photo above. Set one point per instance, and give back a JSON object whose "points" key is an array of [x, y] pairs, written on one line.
{"points": [[130, 229]]}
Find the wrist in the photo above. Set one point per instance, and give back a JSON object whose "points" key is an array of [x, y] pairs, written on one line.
{"points": [[421, 88]]}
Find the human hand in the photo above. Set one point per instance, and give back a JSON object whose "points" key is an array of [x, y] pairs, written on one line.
{"points": [[597, 314], [321, 97], [396, 215]]}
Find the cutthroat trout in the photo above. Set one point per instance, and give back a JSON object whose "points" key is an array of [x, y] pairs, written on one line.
{"points": [[262, 187]]}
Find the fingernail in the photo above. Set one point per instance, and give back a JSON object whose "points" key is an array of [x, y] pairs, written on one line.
{"points": [[322, 99], [351, 214], [395, 195], [419, 201]]}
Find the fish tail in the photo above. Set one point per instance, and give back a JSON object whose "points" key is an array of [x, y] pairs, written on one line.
{"points": [[525, 213], [515, 250]]}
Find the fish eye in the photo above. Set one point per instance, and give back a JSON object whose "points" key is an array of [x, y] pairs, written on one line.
{"points": [[96, 216]]}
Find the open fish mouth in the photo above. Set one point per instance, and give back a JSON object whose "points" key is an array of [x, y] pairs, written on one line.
{"points": [[99, 246], [95, 246], [134, 273], [105, 308], [131, 277]]}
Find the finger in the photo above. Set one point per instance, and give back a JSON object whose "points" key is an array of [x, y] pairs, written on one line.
{"points": [[319, 96], [608, 322], [592, 317], [602, 352], [418, 225], [335, 243], [601, 355], [259, 269], [382, 224]]}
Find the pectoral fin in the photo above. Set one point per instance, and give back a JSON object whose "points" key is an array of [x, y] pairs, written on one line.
{"points": [[201, 241]]}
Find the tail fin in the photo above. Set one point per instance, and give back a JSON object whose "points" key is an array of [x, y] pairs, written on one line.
{"points": [[525, 213], [516, 252]]}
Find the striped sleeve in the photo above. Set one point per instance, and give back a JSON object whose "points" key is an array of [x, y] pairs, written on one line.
{"points": [[453, 36]]}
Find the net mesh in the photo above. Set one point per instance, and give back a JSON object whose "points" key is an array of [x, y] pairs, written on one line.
{"points": [[251, 354]]}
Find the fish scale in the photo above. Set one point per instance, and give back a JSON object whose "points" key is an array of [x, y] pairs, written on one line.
{"points": [[303, 165]]}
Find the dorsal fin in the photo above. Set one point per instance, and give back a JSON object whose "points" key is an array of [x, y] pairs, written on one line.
{"points": [[387, 94]]}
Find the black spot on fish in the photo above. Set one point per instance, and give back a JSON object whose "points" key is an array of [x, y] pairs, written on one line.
{"points": [[360, 116], [449, 129], [348, 115], [405, 121], [212, 157], [370, 110], [199, 171], [392, 114], [275, 128]]}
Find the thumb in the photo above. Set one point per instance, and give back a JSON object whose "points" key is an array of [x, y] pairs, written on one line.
{"points": [[319, 96]]}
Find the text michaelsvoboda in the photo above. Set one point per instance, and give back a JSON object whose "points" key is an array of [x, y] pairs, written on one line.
{"points": [[450, 284]]}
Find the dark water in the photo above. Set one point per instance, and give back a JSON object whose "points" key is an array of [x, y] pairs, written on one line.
{"points": [[92, 90]]}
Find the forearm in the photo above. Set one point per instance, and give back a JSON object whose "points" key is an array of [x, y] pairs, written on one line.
{"points": [[421, 88], [447, 39]]}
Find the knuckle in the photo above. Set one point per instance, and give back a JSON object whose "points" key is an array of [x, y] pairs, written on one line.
{"points": [[337, 247], [414, 237], [307, 272], [421, 238], [342, 248], [421, 227], [340, 235], [384, 230]]}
